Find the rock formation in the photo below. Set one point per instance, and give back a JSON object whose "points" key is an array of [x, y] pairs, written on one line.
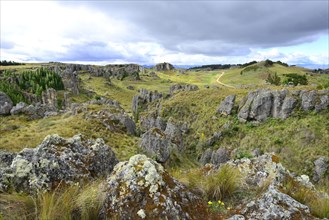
{"points": [[49, 98], [164, 67], [141, 189], [261, 104], [216, 157], [57, 160], [18, 109], [321, 168], [181, 87], [157, 145], [5, 104], [140, 101], [227, 105]]}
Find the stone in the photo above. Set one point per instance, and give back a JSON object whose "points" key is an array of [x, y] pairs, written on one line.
{"points": [[130, 87], [49, 98], [324, 103], [5, 104], [164, 67], [141, 188], [152, 121], [206, 156], [183, 87], [226, 106], [174, 133], [6, 158], [278, 99], [57, 160], [244, 106], [321, 166], [18, 108], [308, 100], [275, 205], [261, 106], [156, 145], [288, 106], [140, 101], [220, 156]]}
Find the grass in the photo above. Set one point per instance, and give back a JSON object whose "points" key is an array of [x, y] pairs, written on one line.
{"points": [[17, 132], [214, 185], [318, 204]]}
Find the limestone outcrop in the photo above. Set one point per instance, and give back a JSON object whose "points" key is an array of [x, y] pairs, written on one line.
{"points": [[141, 189], [140, 101], [183, 87], [164, 67], [5, 104], [57, 160], [262, 104]]}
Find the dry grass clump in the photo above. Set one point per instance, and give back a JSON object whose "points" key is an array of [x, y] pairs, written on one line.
{"points": [[214, 185]]}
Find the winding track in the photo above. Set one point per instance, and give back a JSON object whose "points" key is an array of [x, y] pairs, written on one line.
{"points": [[223, 84]]}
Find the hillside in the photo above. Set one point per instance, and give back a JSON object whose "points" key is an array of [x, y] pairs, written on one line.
{"points": [[209, 123]]}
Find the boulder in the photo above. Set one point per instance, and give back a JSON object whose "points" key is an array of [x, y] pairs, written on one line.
{"points": [[18, 108], [220, 156], [157, 145], [71, 81], [57, 160], [141, 189], [245, 105], [6, 158], [152, 121], [278, 99], [206, 156], [5, 104], [308, 100], [288, 106], [140, 101], [164, 67], [261, 106], [320, 169], [275, 205], [174, 133], [226, 106], [324, 103]]}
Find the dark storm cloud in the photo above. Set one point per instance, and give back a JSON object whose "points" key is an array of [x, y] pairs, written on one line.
{"points": [[218, 25]]}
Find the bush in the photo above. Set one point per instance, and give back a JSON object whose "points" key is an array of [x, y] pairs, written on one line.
{"points": [[12, 91], [273, 79], [268, 63], [294, 79]]}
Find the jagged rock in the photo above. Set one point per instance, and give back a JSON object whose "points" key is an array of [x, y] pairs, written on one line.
{"points": [[157, 145], [114, 121], [17, 109], [308, 100], [245, 105], [174, 133], [38, 111], [104, 101], [278, 99], [216, 136], [49, 98], [163, 67], [6, 158], [289, 104], [5, 104], [140, 188], [206, 156], [261, 106], [140, 101], [66, 102], [58, 160], [71, 81], [324, 103], [321, 168], [227, 105], [154, 75], [276, 205], [181, 87], [236, 217], [220, 156], [152, 121]]}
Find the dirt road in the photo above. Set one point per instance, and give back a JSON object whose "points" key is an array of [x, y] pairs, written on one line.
{"points": [[223, 84]]}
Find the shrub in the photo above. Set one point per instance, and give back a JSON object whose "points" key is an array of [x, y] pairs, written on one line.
{"points": [[273, 79], [294, 79], [268, 63]]}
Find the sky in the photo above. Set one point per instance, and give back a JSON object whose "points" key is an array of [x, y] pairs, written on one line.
{"points": [[180, 32]]}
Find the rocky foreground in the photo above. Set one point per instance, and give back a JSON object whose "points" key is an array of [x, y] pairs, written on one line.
{"points": [[141, 188]]}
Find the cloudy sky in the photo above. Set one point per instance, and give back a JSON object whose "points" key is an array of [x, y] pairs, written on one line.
{"points": [[180, 32]]}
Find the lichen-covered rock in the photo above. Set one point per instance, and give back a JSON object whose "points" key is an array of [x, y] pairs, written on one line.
{"points": [[174, 133], [163, 67], [18, 108], [57, 160], [140, 188], [226, 106], [5, 104], [321, 168], [183, 87], [276, 205], [6, 158], [157, 145]]}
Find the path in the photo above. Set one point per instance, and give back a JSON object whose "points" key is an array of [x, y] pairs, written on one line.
{"points": [[223, 84]]}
